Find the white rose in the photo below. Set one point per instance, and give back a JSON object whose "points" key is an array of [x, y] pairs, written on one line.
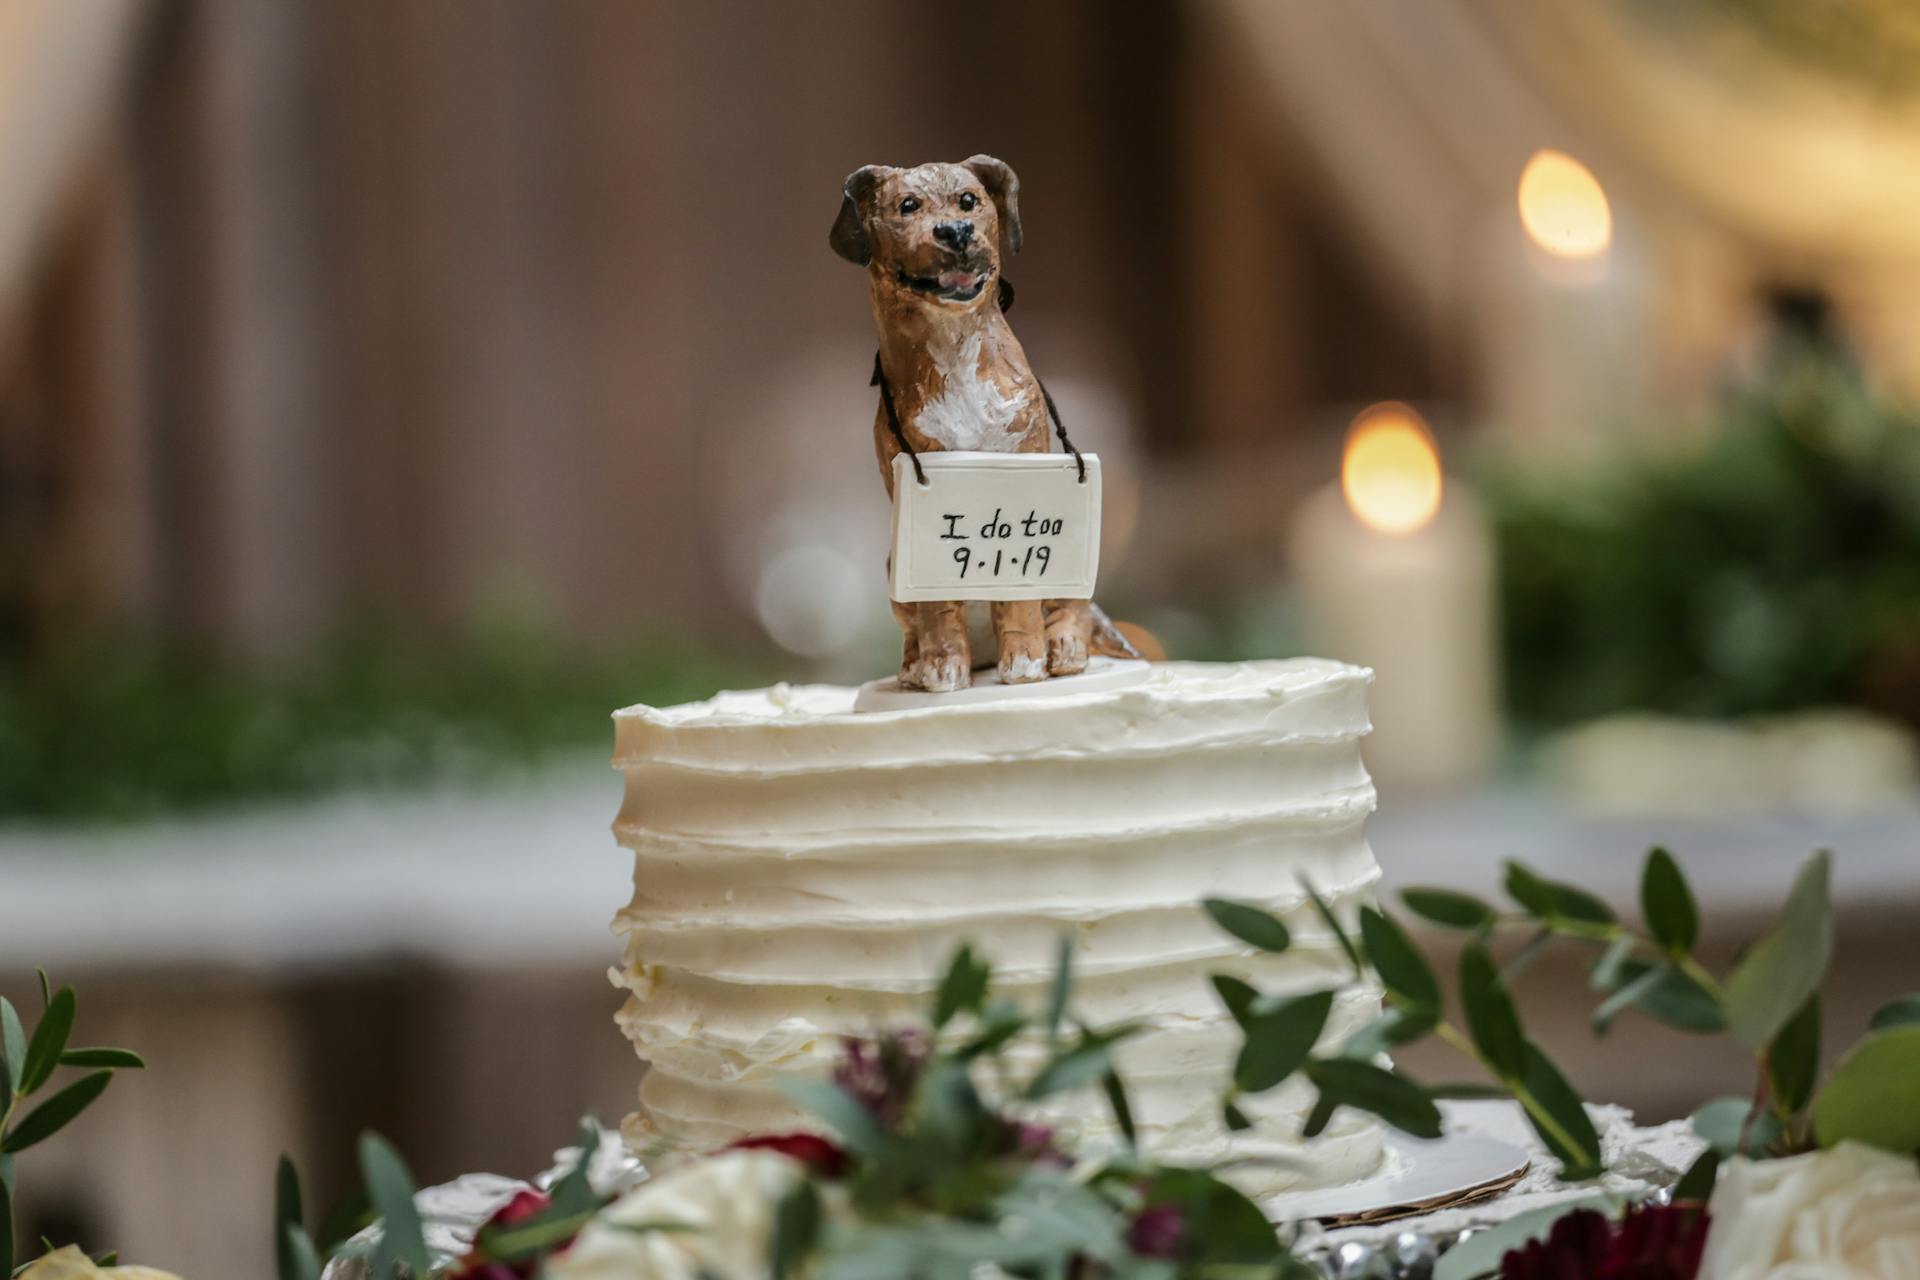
{"points": [[1852, 1213], [726, 1203]]}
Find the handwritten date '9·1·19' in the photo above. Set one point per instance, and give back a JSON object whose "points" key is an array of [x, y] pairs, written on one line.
{"points": [[994, 526]]}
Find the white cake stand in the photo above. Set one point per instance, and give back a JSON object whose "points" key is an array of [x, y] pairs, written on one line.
{"points": [[1417, 1176], [1101, 675]]}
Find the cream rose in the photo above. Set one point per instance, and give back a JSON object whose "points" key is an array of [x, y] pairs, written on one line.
{"points": [[1852, 1213], [725, 1203], [71, 1264]]}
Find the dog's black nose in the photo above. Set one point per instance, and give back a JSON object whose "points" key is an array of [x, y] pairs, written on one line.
{"points": [[954, 235]]}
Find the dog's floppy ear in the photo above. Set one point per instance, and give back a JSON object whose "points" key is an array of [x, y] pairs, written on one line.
{"points": [[1003, 185], [849, 235]]}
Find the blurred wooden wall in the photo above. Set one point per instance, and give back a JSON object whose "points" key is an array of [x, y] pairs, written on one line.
{"points": [[414, 307]]}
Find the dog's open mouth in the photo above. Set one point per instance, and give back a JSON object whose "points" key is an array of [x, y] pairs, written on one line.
{"points": [[952, 286]]}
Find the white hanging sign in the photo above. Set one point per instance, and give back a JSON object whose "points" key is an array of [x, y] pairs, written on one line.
{"points": [[995, 526]]}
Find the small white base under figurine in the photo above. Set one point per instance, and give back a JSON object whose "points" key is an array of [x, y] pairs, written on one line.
{"points": [[1102, 675]]}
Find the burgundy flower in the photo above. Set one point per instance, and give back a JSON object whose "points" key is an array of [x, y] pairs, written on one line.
{"points": [[810, 1149], [525, 1205], [1158, 1231], [1034, 1143], [1651, 1243], [882, 1073]]}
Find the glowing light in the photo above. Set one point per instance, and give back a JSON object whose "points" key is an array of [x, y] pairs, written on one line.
{"points": [[810, 599], [1391, 471], [1562, 207]]}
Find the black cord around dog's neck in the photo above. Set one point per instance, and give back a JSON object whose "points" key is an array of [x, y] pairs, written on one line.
{"points": [[879, 380], [1060, 429]]}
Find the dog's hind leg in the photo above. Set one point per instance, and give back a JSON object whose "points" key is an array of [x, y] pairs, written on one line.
{"points": [[1069, 636], [1019, 630], [937, 657]]}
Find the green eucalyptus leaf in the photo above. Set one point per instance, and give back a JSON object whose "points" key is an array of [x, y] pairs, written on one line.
{"points": [[1116, 1090], [125, 1059], [13, 1044], [391, 1188], [289, 1218], [1610, 970], [46, 987], [1775, 978], [54, 1114], [1667, 903], [1467, 1091], [1569, 1133], [538, 1235], [1479, 1255], [1062, 986], [1395, 1099], [1394, 1027], [1522, 960], [1402, 966], [49, 1040], [1731, 1127], [1072, 1068], [1491, 1018], [1873, 1096], [1674, 998], [1224, 1229], [1896, 1013], [6, 1228], [1278, 1042], [1696, 1184], [796, 1229], [1001, 1022], [1447, 908], [111, 1258], [1793, 1059], [964, 987], [1325, 911], [298, 1261], [1238, 996], [1629, 994], [1235, 1118], [1318, 1118], [1551, 900], [842, 1111], [349, 1216], [1250, 924]]}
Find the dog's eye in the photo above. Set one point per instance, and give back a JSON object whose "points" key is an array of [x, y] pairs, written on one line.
{"points": [[967, 201], [910, 204]]}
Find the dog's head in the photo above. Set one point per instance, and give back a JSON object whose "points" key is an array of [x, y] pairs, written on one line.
{"points": [[930, 235]]}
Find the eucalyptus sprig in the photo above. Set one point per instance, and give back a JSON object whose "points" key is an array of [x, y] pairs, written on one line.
{"points": [[1281, 1035], [1768, 1002], [28, 1065]]}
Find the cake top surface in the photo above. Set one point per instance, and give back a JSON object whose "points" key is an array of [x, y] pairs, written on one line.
{"points": [[814, 704], [814, 727]]}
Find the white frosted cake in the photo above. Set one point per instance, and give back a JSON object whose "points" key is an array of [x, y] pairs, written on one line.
{"points": [[804, 871]]}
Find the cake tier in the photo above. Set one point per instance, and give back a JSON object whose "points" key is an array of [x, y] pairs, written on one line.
{"points": [[803, 872]]}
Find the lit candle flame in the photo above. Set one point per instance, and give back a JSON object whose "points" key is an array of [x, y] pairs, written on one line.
{"points": [[1391, 471], [1563, 208]]}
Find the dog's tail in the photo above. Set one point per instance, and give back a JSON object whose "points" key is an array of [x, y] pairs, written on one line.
{"points": [[1109, 641]]}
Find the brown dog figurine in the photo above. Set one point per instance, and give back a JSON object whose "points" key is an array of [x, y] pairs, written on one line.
{"points": [[952, 376]]}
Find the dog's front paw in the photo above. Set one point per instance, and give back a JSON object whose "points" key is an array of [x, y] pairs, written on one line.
{"points": [[1066, 651], [937, 672], [1017, 667]]}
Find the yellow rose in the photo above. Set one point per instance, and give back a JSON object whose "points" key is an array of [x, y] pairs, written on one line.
{"points": [[724, 1204], [1852, 1213], [71, 1264]]}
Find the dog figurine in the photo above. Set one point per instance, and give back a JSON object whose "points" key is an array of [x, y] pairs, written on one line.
{"points": [[952, 376]]}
